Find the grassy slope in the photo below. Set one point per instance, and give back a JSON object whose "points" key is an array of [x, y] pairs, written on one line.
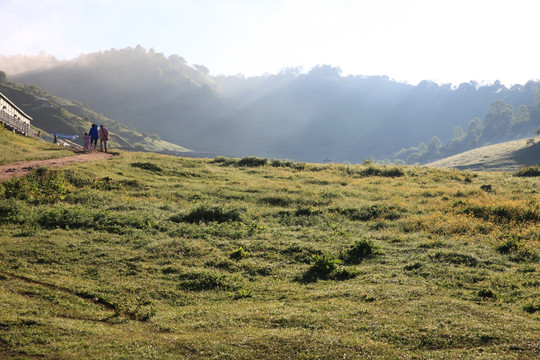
{"points": [[114, 260], [74, 118], [508, 156], [15, 147]]}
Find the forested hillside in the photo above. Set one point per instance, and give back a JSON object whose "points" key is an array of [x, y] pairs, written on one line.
{"points": [[309, 116], [500, 124], [75, 118]]}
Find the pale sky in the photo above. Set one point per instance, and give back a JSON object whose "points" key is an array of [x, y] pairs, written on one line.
{"points": [[447, 41]]}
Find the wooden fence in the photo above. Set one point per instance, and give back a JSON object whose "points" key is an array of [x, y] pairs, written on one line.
{"points": [[15, 123]]}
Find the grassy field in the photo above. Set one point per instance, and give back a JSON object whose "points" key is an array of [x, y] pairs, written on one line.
{"points": [[145, 256], [14, 147]]}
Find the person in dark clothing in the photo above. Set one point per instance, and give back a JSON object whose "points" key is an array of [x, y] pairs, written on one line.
{"points": [[94, 136]]}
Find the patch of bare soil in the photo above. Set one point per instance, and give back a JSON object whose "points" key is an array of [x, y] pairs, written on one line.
{"points": [[508, 156], [21, 168]]}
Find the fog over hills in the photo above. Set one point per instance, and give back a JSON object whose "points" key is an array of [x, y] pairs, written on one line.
{"points": [[306, 116]]}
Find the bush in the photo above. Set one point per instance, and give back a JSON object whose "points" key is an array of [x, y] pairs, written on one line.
{"points": [[532, 171], [39, 187], [486, 294], [323, 265], [510, 245], [239, 253], [455, 258], [252, 161], [370, 212], [207, 280], [288, 164], [225, 161], [211, 213], [503, 213], [360, 250], [531, 308], [327, 267], [80, 217], [414, 266], [276, 200], [147, 166], [373, 170], [14, 211]]}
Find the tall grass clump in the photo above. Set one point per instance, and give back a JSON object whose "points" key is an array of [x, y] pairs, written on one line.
{"points": [[288, 164], [360, 250], [248, 161], [252, 161], [211, 213], [374, 170], [327, 267], [205, 280], [41, 186], [370, 212], [14, 211], [517, 250], [147, 166], [503, 213], [531, 171]]}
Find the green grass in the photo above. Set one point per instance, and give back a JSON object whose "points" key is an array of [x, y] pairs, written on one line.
{"points": [[15, 147], [154, 257]]}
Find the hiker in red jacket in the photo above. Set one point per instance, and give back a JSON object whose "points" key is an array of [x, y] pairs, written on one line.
{"points": [[103, 138]]}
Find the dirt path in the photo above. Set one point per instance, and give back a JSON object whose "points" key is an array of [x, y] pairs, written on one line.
{"points": [[21, 168]]}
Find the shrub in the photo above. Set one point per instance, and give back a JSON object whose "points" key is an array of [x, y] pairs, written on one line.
{"points": [[323, 265], [360, 250], [517, 249], [343, 273], [455, 258], [224, 161], [206, 280], [66, 217], [373, 170], [15, 211], [300, 252], [327, 267], [80, 217], [211, 213], [532, 171], [242, 294], [525, 255], [414, 266], [306, 211], [370, 212], [288, 164], [252, 161], [39, 187], [503, 213], [510, 245], [276, 200], [139, 309], [486, 294], [239, 253], [147, 166], [531, 308]]}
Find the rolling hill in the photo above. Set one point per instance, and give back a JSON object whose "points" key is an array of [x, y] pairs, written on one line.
{"points": [[306, 116], [507, 156], [75, 118]]}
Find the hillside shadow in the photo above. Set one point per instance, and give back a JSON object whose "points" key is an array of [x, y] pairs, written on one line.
{"points": [[528, 156]]}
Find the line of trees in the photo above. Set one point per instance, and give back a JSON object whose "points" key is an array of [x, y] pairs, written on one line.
{"points": [[501, 123]]}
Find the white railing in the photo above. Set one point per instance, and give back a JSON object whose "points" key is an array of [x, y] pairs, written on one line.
{"points": [[15, 123]]}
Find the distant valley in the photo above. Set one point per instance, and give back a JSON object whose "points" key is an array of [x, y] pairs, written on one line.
{"points": [[313, 116]]}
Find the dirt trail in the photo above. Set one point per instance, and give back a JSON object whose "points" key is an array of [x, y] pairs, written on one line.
{"points": [[21, 168]]}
